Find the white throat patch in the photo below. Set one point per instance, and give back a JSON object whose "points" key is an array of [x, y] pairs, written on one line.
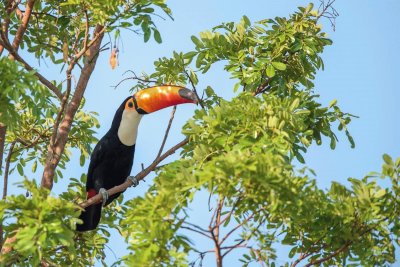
{"points": [[128, 128]]}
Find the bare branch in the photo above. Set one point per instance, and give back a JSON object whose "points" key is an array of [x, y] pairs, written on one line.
{"points": [[194, 89], [7, 168], [215, 231], [196, 226], [328, 11], [232, 210], [140, 176], [167, 131], [134, 77], [196, 231], [230, 248], [3, 131], [236, 227]]}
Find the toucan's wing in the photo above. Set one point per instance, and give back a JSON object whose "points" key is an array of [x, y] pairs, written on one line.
{"points": [[95, 159]]}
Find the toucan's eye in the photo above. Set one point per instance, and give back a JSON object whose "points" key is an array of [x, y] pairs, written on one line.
{"points": [[130, 104]]}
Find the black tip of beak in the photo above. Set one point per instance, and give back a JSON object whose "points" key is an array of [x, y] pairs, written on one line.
{"points": [[188, 94]]}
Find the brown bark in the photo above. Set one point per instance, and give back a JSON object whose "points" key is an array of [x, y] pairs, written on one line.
{"points": [[55, 150], [7, 169], [24, 24], [3, 130]]}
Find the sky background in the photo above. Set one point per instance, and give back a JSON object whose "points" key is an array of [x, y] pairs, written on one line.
{"points": [[361, 72]]}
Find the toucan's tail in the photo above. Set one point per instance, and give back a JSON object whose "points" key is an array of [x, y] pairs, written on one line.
{"points": [[90, 217]]}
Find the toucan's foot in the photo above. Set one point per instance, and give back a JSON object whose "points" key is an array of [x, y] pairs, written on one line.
{"points": [[133, 180], [104, 195]]}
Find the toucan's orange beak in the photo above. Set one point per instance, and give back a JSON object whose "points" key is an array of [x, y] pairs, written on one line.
{"points": [[158, 97]]}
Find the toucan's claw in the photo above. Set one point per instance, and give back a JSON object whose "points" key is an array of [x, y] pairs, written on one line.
{"points": [[133, 180], [104, 195]]}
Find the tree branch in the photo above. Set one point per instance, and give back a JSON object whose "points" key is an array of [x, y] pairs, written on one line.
{"points": [[54, 151], [196, 226], [7, 168], [235, 228], [24, 25], [134, 77], [140, 176], [3, 131], [215, 232], [230, 248], [336, 252], [232, 210], [196, 231], [194, 89]]}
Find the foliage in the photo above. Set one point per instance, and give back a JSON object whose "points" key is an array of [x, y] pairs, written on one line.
{"points": [[246, 153], [242, 152], [58, 27], [30, 111]]}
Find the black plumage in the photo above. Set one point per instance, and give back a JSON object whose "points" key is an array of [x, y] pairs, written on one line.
{"points": [[110, 164], [112, 159]]}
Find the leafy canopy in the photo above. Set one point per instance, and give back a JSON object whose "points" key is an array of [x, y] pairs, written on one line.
{"points": [[247, 153]]}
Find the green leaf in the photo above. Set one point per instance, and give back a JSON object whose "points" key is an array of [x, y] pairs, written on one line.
{"points": [[147, 34], [333, 143], [34, 166], [157, 36], [82, 160], [279, 65], [388, 159], [196, 41], [309, 7], [270, 71], [332, 103], [380, 193], [20, 169], [300, 158], [236, 87], [190, 55]]}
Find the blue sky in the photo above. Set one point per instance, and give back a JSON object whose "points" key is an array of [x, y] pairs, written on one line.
{"points": [[361, 69]]}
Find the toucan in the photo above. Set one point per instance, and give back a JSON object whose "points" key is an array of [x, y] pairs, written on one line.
{"points": [[112, 158]]}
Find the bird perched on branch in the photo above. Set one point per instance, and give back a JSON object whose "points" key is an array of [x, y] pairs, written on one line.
{"points": [[112, 159]]}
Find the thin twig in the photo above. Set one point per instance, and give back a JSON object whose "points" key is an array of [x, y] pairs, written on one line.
{"points": [[196, 231], [167, 131], [230, 248], [134, 77], [7, 167], [232, 210], [236, 227], [196, 226], [194, 89]]}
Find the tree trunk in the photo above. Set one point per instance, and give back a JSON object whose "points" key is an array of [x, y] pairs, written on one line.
{"points": [[55, 150]]}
